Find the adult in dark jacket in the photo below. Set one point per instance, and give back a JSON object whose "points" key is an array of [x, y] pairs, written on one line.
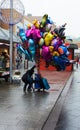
{"points": [[27, 78]]}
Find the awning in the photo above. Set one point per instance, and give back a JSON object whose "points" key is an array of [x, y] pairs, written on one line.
{"points": [[2, 44], [73, 46], [4, 36]]}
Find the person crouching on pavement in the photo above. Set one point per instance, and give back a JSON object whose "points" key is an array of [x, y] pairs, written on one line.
{"points": [[27, 78]]}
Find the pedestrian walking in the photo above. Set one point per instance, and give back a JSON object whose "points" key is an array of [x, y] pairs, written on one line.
{"points": [[18, 61], [77, 61]]}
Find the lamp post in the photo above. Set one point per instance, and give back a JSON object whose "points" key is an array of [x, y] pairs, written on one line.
{"points": [[11, 37]]}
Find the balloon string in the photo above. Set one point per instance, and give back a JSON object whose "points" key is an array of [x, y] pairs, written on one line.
{"points": [[38, 60]]}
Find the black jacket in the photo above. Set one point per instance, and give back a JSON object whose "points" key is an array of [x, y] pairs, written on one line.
{"points": [[27, 77]]}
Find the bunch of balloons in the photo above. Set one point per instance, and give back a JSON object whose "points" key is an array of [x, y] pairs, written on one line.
{"points": [[51, 42]]}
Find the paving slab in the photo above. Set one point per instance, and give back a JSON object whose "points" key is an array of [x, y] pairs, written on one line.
{"points": [[29, 111]]}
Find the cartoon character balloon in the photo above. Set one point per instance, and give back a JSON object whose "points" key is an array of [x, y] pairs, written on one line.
{"points": [[50, 41]]}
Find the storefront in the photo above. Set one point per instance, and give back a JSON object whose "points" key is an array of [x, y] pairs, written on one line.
{"points": [[5, 47]]}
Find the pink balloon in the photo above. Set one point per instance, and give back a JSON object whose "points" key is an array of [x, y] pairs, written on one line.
{"points": [[46, 53], [28, 33], [33, 33]]}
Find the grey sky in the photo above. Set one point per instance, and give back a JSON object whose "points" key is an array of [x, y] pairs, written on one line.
{"points": [[60, 11]]}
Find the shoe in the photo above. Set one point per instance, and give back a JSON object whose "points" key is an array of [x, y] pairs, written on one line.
{"points": [[38, 90], [29, 89], [24, 89]]}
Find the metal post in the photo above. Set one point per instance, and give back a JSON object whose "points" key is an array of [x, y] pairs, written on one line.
{"points": [[11, 37], [11, 21]]}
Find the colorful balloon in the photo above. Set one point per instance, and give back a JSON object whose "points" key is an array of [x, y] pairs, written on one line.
{"points": [[49, 20], [55, 53], [41, 42], [32, 47], [56, 43], [42, 39], [46, 53], [60, 31], [43, 21], [33, 33], [36, 23], [22, 34], [51, 48], [26, 52], [28, 26], [48, 38], [63, 50], [48, 27], [61, 62]]}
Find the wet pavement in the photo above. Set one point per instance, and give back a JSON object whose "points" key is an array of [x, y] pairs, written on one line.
{"points": [[69, 118], [31, 111]]}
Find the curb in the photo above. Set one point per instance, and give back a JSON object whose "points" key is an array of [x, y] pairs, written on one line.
{"points": [[53, 116]]}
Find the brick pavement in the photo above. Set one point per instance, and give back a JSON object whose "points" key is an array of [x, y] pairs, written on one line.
{"points": [[56, 79]]}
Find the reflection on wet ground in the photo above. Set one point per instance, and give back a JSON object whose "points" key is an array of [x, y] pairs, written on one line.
{"points": [[69, 118], [19, 111]]}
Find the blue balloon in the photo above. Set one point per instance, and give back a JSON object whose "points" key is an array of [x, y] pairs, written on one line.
{"points": [[49, 20], [26, 52], [28, 55], [61, 61], [65, 50], [32, 47], [22, 35], [20, 48]]}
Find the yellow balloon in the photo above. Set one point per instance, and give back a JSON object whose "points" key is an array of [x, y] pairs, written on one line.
{"points": [[48, 38], [51, 48], [28, 25], [36, 23], [55, 53]]}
